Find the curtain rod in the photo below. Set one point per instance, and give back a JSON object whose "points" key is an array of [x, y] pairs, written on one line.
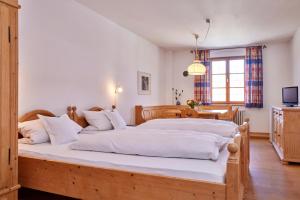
{"points": [[239, 47]]}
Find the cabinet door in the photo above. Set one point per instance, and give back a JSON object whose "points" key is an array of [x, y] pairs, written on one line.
{"points": [[8, 100], [5, 95], [13, 110]]}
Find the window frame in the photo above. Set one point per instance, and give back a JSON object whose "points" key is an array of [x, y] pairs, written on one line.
{"points": [[227, 60]]}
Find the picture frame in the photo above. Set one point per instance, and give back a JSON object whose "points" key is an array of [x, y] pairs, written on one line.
{"points": [[144, 83]]}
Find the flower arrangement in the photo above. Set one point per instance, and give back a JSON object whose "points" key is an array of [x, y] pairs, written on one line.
{"points": [[177, 94], [192, 103]]}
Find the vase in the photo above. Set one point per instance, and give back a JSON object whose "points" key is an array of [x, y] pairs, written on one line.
{"points": [[178, 103]]}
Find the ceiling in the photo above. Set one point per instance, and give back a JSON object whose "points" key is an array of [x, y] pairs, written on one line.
{"points": [[170, 23]]}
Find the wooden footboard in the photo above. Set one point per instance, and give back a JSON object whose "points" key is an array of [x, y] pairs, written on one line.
{"points": [[238, 165], [86, 182]]}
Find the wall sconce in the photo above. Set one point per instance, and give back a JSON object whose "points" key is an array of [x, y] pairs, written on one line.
{"points": [[118, 90]]}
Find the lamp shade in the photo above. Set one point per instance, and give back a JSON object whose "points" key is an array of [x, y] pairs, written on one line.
{"points": [[196, 68]]}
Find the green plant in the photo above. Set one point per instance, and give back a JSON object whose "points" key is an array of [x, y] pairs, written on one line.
{"points": [[192, 103]]}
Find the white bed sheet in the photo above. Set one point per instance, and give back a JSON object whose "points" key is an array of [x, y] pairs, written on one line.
{"points": [[207, 170]]}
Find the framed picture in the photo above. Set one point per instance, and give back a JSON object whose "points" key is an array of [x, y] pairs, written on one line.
{"points": [[144, 83]]}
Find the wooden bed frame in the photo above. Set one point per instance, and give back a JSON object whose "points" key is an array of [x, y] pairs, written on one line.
{"points": [[86, 182], [144, 113]]}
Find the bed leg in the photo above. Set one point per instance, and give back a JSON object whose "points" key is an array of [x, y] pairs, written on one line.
{"points": [[238, 165], [245, 153]]}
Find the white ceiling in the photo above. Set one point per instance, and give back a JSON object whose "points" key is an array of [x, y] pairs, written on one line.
{"points": [[170, 23]]}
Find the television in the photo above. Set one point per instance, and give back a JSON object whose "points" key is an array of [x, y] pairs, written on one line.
{"points": [[290, 96]]}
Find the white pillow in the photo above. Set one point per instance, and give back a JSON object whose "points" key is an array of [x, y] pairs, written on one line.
{"points": [[33, 131], [61, 130], [90, 128], [98, 120], [116, 119]]}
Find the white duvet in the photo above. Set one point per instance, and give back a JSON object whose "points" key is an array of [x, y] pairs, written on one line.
{"points": [[157, 143], [219, 127]]}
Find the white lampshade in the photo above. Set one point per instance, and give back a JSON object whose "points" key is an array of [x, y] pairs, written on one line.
{"points": [[196, 68]]}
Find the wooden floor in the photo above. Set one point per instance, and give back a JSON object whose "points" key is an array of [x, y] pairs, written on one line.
{"points": [[270, 180]]}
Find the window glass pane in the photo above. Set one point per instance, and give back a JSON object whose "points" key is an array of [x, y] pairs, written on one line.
{"points": [[236, 94], [237, 80], [237, 66], [219, 67], [219, 94], [218, 80]]}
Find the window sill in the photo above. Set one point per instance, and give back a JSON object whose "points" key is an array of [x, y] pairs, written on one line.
{"points": [[228, 104]]}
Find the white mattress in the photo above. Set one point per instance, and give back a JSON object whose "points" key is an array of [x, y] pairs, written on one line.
{"points": [[208, 170]]}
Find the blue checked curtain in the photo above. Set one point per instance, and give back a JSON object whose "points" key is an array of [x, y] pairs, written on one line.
{"points": [[254, 78], [202, 84]]}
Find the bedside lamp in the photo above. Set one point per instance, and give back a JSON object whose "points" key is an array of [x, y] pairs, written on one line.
{"points": [[118, 90]]}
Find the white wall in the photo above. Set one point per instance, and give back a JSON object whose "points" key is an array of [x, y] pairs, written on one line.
{"points": [[168, 77], [70, 55], [277, 74], [295, 46]]}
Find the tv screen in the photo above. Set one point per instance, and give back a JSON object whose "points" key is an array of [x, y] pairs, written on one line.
{"points": [[290, 96]]}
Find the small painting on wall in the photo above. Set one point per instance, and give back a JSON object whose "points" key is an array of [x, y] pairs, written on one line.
{"points": [[144, 83]]}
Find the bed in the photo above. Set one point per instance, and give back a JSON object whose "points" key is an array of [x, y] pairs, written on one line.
{"points": [[93, 175], [144, 113]]}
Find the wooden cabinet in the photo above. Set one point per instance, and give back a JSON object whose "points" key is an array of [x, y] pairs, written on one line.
{"points": [[8, 99], [285, 134]]}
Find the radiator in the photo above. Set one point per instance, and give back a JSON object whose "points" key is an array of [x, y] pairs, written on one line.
{"points": [[239, 118]]}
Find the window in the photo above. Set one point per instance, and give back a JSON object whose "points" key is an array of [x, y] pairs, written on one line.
{"points": [[228, 77]]}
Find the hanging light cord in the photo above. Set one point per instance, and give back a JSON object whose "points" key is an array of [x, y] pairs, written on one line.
{"points": [[196, 37], [207, 21]]}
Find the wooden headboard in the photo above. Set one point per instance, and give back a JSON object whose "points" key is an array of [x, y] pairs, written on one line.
{"points": [[71, 111], [145, 113], [32, 115], [80, 119]]}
